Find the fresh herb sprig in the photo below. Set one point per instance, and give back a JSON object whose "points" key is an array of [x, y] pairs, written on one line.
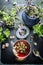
{"points": [[38, 29], [4, 34]]}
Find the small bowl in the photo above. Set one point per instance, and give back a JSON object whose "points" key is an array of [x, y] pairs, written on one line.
{"points": [[22, 32], [21, 56]]}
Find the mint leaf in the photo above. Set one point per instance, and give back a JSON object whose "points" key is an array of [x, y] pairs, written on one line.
{"points": [[7, 32]]}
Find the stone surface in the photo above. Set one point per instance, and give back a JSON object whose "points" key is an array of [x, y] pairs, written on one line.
{"points": [[9, 4]]}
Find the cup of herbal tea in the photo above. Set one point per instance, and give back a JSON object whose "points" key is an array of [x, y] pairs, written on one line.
{"points": [[21, 49]]}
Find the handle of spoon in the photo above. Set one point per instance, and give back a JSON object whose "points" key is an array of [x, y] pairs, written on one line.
{"points": [[40, 57]]}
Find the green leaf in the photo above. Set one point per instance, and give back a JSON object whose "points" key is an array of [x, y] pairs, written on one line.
{"points": [[7, 32], [38, 29], [2, 39], [0, 29]]}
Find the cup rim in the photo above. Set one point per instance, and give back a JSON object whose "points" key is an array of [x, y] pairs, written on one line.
{"points": [[31, 17]]}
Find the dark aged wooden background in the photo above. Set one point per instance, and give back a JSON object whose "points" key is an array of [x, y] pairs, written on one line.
{"points": [[3, 3]]}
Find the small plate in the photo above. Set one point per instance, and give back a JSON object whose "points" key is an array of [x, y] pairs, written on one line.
{"points": [[22, 32]]}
